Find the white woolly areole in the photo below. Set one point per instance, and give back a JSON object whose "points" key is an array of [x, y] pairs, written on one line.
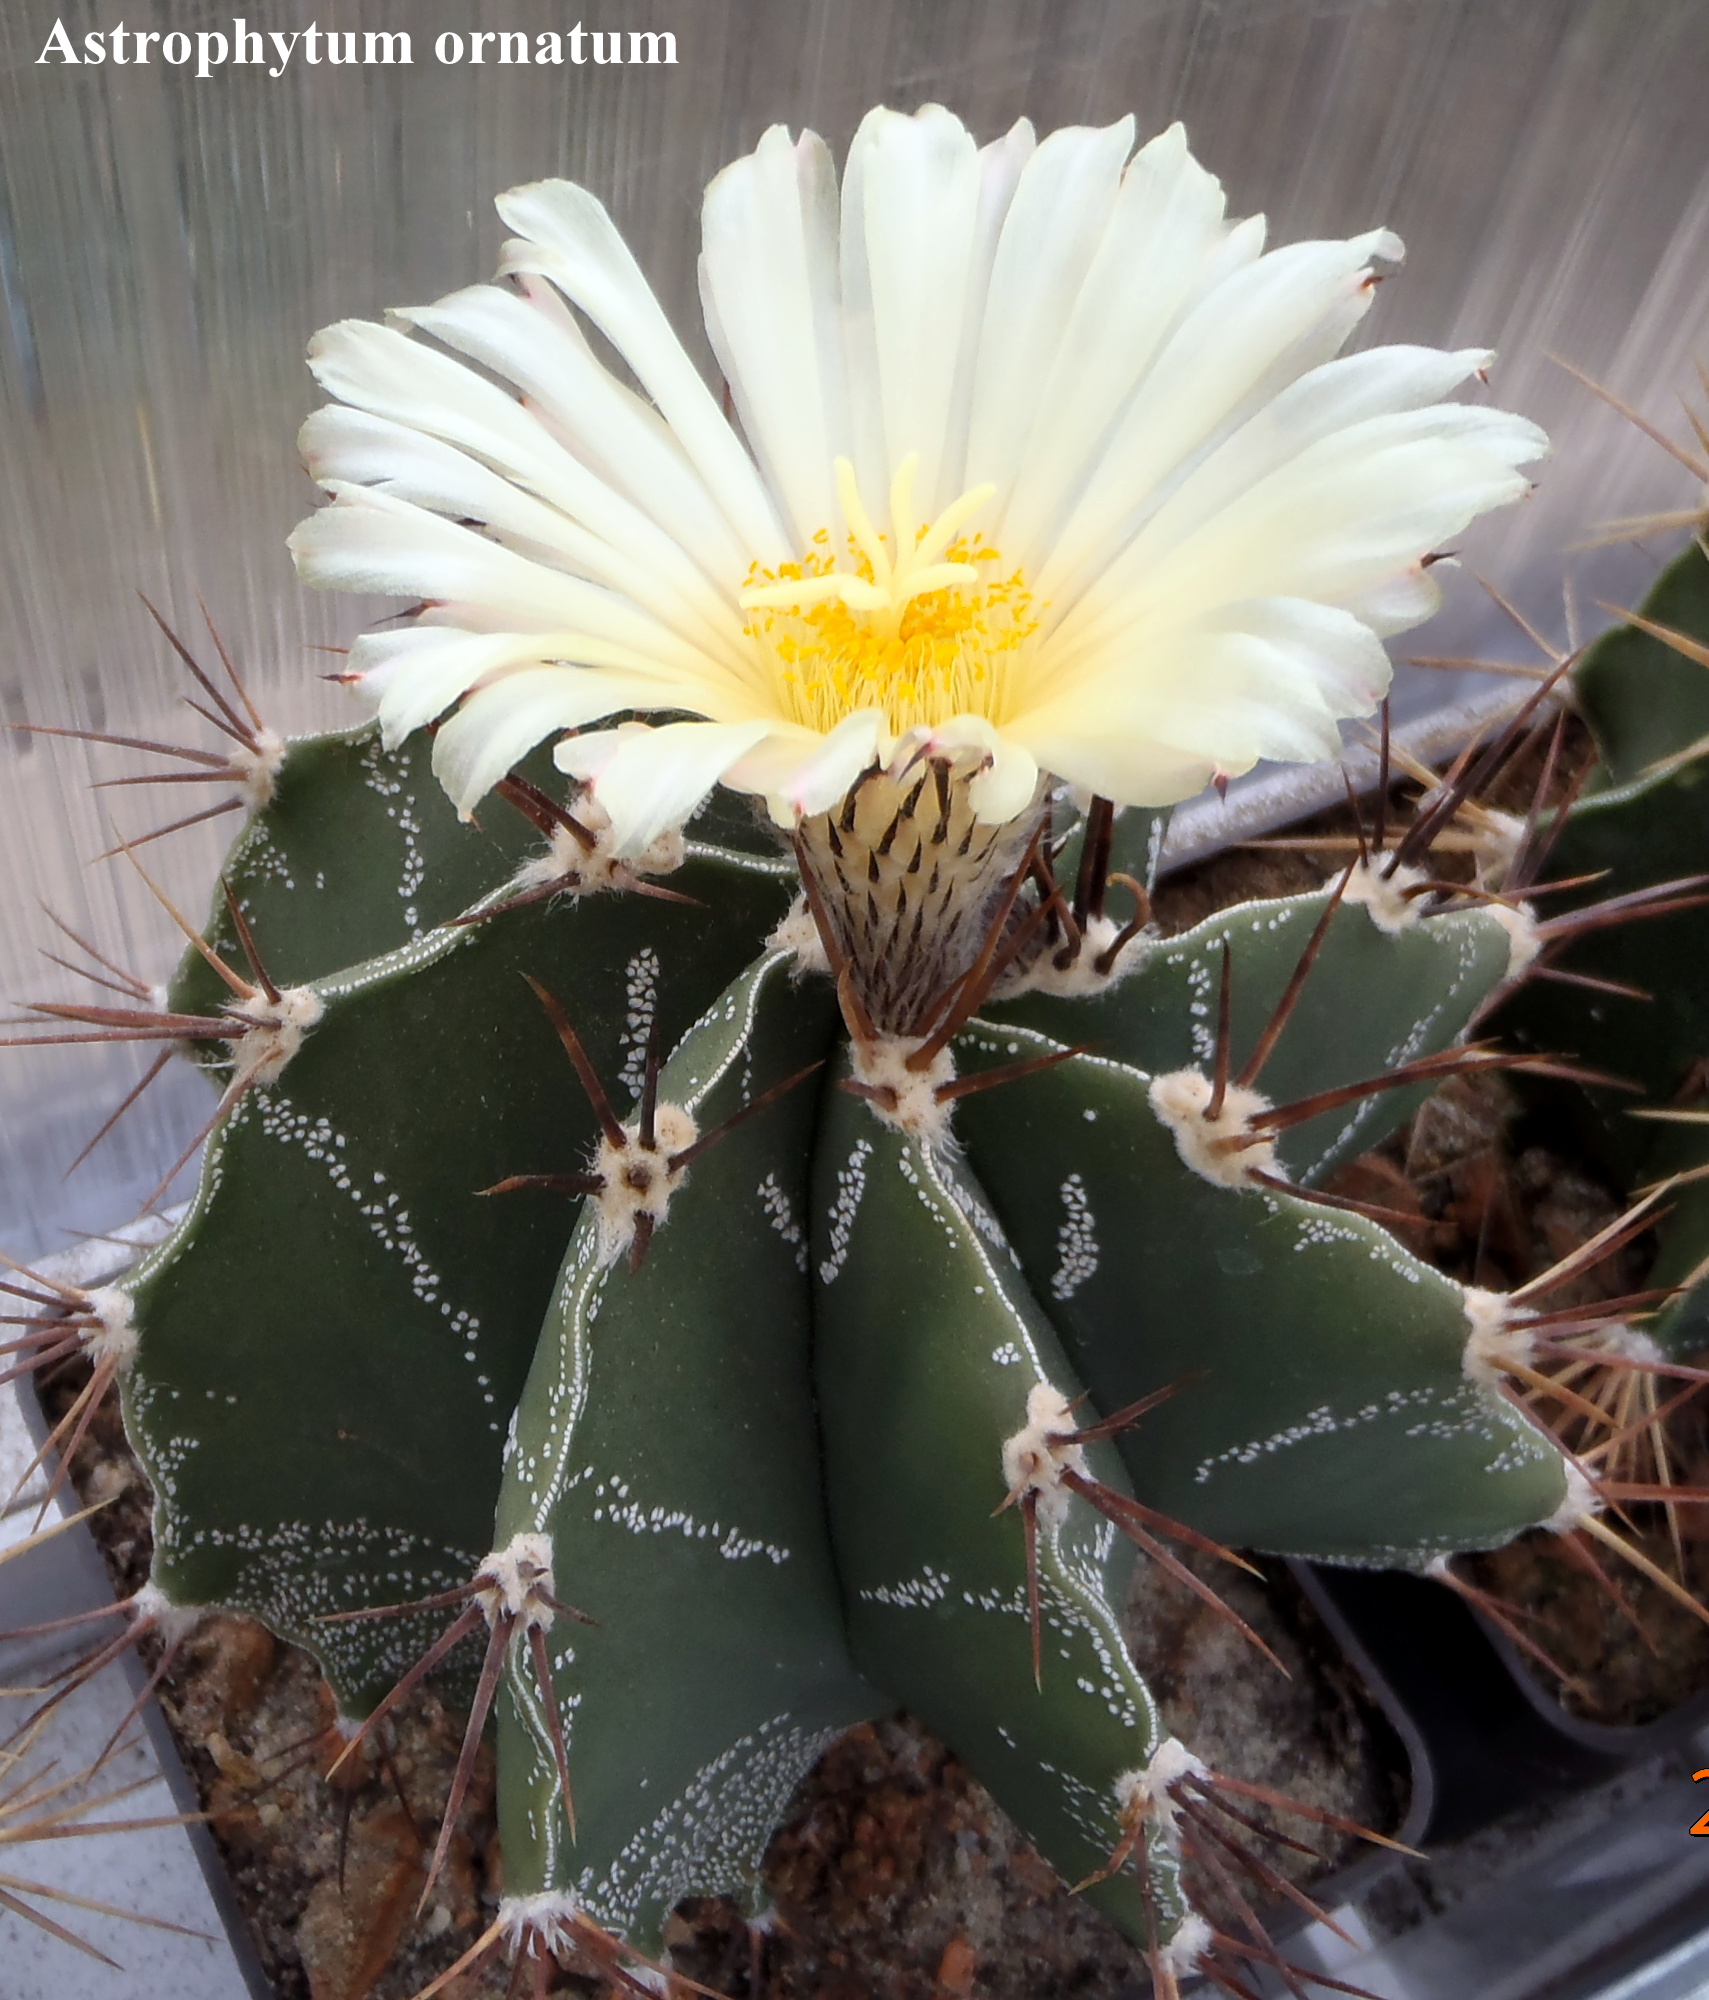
{"points": [[905, 1098], [172, 1621], [1181, 1100], [113, 1338], [1080, 978], [638, 1181], [1497, 1337], [1192, 1939], [1034, 1460], [274, 1033], [1144, 1794], [551, 1915], [256, 766], [1384, 895], [1582, 1503], [580, 871], [1520, 924], [514, 1581], [1496, 839], [1625, 1343], [798, 934]]}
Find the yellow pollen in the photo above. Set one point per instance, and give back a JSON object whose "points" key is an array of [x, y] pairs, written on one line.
{"points": [[922, 626]]}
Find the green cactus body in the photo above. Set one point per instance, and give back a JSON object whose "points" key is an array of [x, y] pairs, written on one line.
{"points": [[1644, 823], [356, 853], [1643, 699], [665, 1444], [340, 1318], [1419, 979], [929, 1346], [1314, 1353], [766, 1462]]}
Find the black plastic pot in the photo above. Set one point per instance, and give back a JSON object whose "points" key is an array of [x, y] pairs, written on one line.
{"points": [[1559, 1859]]}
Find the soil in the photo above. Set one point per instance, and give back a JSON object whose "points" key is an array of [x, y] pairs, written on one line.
{"points": [[896, 1877]]}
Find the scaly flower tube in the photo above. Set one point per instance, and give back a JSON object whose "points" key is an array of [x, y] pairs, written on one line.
{"points": [[1050, 472]]}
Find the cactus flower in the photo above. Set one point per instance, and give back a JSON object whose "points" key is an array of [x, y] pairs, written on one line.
{"points": [[1045, 467]]}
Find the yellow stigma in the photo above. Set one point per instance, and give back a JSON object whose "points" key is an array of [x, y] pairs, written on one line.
{"points": [[923, 626]]}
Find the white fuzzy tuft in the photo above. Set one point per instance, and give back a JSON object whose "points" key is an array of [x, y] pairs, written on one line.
{"points": [[1582, 1503], [515, 1580], [1144, 1794], [1180, 1101], [274, 1033], [1034, 1461], [1625, 1343], [549, 1915], [171, 1621], [1496, 840], [906, 1098], [1192, 1939], [1383, 895], [798, 934], [640, 1181], [114, 1336], [579, 871], [257, 768], [1523, 939], [1081, 979], [1497, 1338]]}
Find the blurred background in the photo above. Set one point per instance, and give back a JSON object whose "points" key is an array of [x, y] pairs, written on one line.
{"points": [[168, 244]]}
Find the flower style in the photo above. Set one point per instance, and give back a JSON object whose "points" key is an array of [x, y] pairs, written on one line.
{"points": [[1050, 472]]}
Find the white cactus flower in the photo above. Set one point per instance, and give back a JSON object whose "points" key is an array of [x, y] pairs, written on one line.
{"points": [[1044, 467]]}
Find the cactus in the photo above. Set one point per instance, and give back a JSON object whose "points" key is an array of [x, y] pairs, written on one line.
{"points": [[322, 1360], [1640, 834], [702, 1282]]}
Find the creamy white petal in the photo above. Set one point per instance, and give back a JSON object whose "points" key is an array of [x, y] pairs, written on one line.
{"points": [[1001, 165], [565, 235], [500, 723], [762, 285], [342, 446], [1337, 520], [1155, 256], [1135, 769], [914, 214], [800, 772], [1008, 779], [368, 541], [608, 426], [415, 674], [1270, 680], [650, 780], [1301, 437], [1274, 440], [1240, 344], [1061, 208], [1325, 664], [1399, 602], [381, 370]]}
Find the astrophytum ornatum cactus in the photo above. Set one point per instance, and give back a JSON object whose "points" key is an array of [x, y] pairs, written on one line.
{"points": [[940, 1239]]}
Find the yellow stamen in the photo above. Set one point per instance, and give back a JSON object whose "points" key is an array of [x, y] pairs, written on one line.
{"points": [[922, 626]]}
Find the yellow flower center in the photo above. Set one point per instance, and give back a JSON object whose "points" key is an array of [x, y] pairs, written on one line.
{"points": [[922, 626]]}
